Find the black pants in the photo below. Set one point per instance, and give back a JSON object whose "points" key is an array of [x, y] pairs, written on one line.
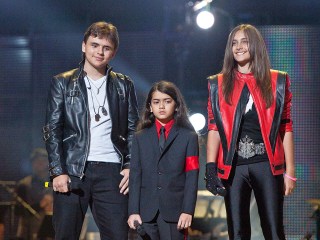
{"points": [[268, 191], [99, 189], [158, 229]]}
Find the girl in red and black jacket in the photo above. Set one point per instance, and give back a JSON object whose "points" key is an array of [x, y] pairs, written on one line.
{"points": [[250, 140]]}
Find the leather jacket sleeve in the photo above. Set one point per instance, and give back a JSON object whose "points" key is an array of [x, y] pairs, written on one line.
{"points": [[133, 116], [53, 130], [286, 118]]}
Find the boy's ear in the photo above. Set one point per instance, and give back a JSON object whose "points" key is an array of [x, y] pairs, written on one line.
{"points": [[83, 47]]}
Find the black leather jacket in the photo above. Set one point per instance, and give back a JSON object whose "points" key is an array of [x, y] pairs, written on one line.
{"points": [[67, 127]]}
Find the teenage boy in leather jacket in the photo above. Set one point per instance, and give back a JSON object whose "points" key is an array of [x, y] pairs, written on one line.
{"points": [[90, 120]]}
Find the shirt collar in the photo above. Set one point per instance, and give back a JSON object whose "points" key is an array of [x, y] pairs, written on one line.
{"points": [[244, 76], [168, 127]]}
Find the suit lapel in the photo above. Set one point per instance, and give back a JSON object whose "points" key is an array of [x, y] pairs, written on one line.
{"points": [[154, 140]]}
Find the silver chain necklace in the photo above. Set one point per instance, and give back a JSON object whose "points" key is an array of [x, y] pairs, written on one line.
{"points": [[98, 88], [103, 109]]}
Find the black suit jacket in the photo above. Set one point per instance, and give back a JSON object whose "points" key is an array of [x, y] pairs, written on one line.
{"points": [[161, 181]]}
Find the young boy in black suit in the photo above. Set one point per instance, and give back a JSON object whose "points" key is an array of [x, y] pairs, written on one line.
{"points": [[164, 168]]}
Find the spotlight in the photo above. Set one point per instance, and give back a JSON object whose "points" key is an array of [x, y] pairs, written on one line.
{"points": [[205, 19], [198, 121], [202, 13]]}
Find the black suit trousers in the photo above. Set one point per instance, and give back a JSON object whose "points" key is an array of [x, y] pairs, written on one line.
{"points": [[158, 229]]}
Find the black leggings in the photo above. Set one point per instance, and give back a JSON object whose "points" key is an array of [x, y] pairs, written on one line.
{"points": [[268, 190]]}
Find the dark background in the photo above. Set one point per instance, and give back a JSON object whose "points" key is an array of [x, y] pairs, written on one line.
{"points": [[158, 40]]}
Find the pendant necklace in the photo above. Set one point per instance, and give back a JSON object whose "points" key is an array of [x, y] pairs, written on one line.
{"points": [[103, 109], [98, 88]]}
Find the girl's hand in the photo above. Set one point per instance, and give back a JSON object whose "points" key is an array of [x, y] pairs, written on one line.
{"points": [[184, 221], [289, 185], [132, 218]]}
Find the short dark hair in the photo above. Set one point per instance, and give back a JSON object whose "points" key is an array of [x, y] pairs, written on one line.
{"points": [[103, 30]]}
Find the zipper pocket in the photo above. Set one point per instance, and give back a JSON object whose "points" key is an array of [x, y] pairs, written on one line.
{"points": [[71, 136]]}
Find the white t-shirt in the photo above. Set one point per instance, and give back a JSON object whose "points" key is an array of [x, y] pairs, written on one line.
{"points": [[101, 147]]}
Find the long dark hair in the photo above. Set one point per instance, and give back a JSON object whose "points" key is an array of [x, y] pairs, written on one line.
{"points": [[259, 62], [181, 114]]}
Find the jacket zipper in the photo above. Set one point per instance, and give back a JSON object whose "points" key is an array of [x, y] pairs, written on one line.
{"points": [[110, 113], [87, 145]]}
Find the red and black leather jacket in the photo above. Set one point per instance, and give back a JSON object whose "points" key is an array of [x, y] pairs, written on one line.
{"points": [[226, 118]]}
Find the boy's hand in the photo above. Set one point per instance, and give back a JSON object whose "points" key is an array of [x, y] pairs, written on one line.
{"points": [[132, 218], [124, 184], [184, 221]]}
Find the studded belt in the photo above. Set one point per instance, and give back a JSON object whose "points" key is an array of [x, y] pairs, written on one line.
{"points": [[247, 148]]}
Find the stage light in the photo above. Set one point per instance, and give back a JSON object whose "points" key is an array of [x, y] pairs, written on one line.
{"points": [[202, 14], [198, 121], [205, 19]]}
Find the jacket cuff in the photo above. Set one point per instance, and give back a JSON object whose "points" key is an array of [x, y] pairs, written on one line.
{"points": [[126, 165], [126, 162], [56, 171]]}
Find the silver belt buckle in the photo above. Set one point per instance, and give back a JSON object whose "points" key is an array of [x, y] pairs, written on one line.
{"points": [[247, 148]]}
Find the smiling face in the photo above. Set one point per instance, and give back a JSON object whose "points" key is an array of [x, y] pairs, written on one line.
{"points": [[240, 50], [162, 106], [98, 53]]}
